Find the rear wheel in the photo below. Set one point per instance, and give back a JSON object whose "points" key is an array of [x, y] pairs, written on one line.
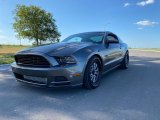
{"points": [[125, 62], [92, 75]]}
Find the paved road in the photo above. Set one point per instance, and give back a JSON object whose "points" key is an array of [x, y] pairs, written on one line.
{"points": [[132, 94]]}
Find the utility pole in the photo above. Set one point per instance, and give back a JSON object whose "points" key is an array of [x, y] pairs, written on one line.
{"points": [[105, 26]]}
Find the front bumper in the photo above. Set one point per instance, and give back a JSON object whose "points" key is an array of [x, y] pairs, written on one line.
{"points": [[53, 76]]}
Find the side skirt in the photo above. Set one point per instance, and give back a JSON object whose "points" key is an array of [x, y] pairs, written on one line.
{"points": [[104, 72]]}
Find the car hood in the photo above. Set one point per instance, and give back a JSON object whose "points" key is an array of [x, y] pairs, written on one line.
{"points": [[57, 49]]}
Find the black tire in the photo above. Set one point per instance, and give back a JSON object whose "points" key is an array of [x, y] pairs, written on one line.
{"points": [[92, 75], [124, 64]]}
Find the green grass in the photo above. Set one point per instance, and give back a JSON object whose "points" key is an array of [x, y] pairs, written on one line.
{"points": [[6, 60], [7, 53]]}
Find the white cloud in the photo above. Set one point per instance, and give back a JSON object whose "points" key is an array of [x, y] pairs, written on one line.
{"points": [[145, 2], [146, 23], [126, 4]]}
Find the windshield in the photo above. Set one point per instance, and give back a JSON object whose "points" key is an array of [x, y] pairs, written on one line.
{"points": [[94, 37]]}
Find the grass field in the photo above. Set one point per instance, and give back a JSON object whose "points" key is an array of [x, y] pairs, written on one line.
{"points": [[7, 52], [147, 49]]}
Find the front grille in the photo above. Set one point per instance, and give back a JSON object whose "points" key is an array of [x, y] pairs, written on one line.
{"points": [[31, 61]]}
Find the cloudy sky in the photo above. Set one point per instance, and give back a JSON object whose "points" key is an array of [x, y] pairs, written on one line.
{"points": [[137, 22]]}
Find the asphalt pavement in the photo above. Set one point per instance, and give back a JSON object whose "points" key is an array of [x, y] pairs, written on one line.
{"points": [[132, 94]]}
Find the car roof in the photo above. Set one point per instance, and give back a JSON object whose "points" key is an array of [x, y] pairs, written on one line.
{"points": [[106, 32]]}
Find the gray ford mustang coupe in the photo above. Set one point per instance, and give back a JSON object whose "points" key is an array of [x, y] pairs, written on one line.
{"points": [[79, 59]]}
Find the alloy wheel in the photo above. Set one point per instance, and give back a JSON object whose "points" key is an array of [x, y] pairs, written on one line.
{"points": [[94, 72]]}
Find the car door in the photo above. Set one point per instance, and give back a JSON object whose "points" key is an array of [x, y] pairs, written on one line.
{"points": [[113, 51]]}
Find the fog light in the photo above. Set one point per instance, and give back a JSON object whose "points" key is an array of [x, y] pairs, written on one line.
{"points": [[76, 74]]}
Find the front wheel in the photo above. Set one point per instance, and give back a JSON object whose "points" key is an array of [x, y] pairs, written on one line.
{"points": [[92, 75], [124, 64]]}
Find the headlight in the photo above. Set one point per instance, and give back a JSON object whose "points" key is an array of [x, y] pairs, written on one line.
{"points": [[65, 60]]}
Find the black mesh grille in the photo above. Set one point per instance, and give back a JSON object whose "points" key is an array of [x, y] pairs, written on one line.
{"points": [[31, 61]]}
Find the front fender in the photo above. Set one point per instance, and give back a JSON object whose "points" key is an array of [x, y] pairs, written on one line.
{"points": [[84, 55]]}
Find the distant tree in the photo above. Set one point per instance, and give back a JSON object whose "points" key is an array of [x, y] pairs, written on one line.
{"points": [[34, 23]]}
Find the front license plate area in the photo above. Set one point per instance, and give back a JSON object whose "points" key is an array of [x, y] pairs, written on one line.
{"points": [[36, 79]]}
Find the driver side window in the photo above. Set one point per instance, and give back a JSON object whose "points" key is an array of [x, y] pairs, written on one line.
{"points": [[112, 38]]}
